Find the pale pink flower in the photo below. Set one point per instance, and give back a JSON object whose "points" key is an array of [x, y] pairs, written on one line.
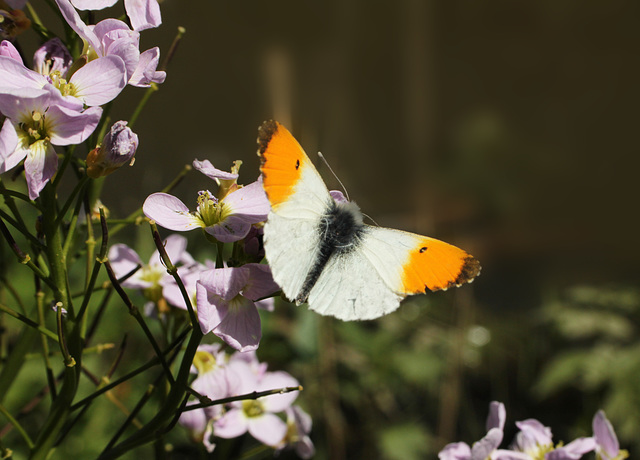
{"points": [[152, 277], [144, 14], [96, 83], [226, 299], [228, 219], [112, 37], [258, 416], [36, 121]]}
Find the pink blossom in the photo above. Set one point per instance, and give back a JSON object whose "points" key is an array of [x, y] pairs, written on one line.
{"points": [[152, 277], [258, 416], [112, 37], [36, 121], [226, 299], [484, 447], [298, 429], [607, 445], [96, 83], [144, 14], [228, 219], [214, 381]]}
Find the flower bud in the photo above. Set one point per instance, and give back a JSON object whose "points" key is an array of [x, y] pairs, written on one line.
{"points": [[51, 57], [7, 49], [118, 147]]}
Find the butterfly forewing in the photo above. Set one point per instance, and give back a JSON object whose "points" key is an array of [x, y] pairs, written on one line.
{"points": [[298, 198]]}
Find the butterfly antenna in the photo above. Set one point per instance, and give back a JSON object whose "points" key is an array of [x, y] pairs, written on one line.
{"points": [[371, 219], [346, 194]]}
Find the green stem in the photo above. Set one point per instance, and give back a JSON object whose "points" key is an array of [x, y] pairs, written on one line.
{"points": [[133, 311], [45, 345], [12, 366], [16, 425], [173, 271], [68, 155], [29, 322], [22, 229], [165, 415], [102, 257], [145, 98], [153, 362], [79, 186], [136, 410], [60, 408], [252, 395]]}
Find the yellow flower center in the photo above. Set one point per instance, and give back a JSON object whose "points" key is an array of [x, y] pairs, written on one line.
{"points": [[252, 408], [34, 128], [211, 211], [204, 361], [66, 88], [153, 292]]}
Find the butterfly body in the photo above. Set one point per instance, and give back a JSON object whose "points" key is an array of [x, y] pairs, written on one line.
{"points": [[321, 252]]}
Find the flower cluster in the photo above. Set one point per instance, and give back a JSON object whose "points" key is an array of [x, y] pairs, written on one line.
{"points": [[222, 376], [48, 110], [534, 442], [227, 298], [59, 102]]}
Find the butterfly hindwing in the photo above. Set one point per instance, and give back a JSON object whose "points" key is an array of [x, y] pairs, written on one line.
{"points": [[413, 264], [350, 288]]}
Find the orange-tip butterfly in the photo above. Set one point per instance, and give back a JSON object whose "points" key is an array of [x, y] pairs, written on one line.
{"points": [[321, 252]]}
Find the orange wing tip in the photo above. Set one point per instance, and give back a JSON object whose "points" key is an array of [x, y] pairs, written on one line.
{"points": [[282, 161], [435, 265], [468, 272]]}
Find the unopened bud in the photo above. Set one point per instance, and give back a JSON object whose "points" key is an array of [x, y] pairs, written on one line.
{"points": [[118, 147]]}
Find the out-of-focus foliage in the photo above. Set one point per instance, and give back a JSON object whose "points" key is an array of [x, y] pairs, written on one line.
{"points": [[598, 352]]}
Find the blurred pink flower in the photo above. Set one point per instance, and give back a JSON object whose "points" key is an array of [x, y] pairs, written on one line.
{"points": [[152, 277], [258, 416], [607, 445], [215, 380], [298, 429], [485, 447]]}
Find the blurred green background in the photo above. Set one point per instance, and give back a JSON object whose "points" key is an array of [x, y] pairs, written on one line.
{"points": [[509, 128]]}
